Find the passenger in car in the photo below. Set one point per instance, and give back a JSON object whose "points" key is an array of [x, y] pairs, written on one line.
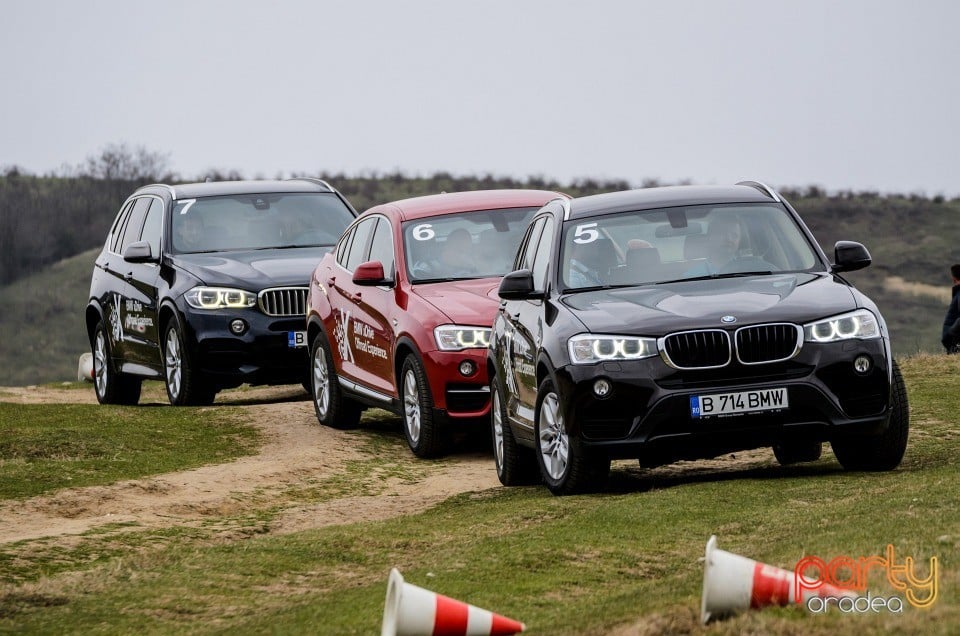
{"points": [[190, 234]]}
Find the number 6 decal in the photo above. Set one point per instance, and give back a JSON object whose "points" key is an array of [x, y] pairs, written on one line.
{"points": [[586, 233], [423, 232]]}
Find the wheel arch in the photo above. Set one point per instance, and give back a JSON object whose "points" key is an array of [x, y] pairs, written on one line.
{"points": [[92, 316]]}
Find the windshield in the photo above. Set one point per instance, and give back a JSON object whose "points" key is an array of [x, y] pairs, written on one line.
{"points": [[257, 221], [653, 246], [475, 244]]}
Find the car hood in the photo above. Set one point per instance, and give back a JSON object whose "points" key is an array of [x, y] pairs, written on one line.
{"points": [[253, 270], [465, 302], [659, 309]]}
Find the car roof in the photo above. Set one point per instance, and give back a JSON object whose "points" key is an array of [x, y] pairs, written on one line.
{"points": [[220, 188], [669, 196], [452, 202]]}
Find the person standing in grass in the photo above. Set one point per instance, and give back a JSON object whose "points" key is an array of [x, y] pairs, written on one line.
{"points": [[950, 336]]}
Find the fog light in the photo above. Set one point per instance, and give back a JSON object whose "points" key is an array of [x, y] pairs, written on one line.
{"points": [[238, 327], [467, 368], [862, 364], [601, 388]]}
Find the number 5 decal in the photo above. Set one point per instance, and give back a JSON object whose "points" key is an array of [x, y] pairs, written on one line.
{"points": [[586, 233], [423, 232]]}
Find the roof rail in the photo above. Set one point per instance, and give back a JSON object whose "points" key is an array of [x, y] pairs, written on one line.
{"points": [[762, 187], [173, 193], [564, 203], [314, 180]]}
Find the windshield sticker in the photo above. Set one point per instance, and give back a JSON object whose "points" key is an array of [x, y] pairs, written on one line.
{"points": [[187, 204], [424, 232], [586, 233]]}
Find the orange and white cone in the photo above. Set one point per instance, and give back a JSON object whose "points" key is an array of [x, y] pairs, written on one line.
{"points": [[733, 583], [413, 611]]}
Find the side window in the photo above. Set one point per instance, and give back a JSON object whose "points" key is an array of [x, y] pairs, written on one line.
{"points": [[358, 249], [525, 257], [117, 230], [381, 248], [342, 248], [152, 226], [131, 233], [542, 258]]}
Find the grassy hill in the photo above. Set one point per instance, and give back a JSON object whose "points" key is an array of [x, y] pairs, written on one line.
{"points": [[42, 323]]}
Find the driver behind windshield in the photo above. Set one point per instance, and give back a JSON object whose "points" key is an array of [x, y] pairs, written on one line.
{"points": [[723, 245]]}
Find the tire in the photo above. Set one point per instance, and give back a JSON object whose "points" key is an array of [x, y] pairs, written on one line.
{"points": [[111, 387], [565, 465], [515, 464], [797, 452], [332, 408], [186, 386], [424, 433], [885, 451]]}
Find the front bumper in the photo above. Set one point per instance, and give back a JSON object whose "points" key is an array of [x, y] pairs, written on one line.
{"points": [[647, 414], [456, 396], [261, 355]]}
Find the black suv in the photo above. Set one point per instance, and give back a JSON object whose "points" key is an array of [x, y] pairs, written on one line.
{"points": [[204, 285], [681, 323]]}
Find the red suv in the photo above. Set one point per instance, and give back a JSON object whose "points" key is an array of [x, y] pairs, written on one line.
{"points": [[400, 312]]}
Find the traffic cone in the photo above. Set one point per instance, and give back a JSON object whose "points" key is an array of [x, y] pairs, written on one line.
{"points": [[733, 583], [85, 367], [413, 611]]}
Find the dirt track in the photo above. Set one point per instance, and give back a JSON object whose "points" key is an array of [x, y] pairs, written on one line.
{"points": [[296, 449]]}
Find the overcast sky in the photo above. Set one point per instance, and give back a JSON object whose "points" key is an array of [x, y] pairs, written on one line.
{"points": [[846, 95]]}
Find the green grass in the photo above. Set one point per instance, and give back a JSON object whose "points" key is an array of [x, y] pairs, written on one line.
{"points": [[45, 447], [575, 565]]}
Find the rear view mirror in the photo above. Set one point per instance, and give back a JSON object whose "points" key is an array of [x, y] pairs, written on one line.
{"points": [[370, 274], [517, 285], [849, 256], [138, 252]]}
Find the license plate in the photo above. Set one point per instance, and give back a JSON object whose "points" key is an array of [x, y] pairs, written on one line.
{"points": [[737, 403], [297, 339]]}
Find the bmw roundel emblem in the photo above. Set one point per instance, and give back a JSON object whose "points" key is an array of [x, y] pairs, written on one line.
{"points": [[728, 319]]}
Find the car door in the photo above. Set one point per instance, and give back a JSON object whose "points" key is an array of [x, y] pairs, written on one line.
{"points": [[109, 283], [122, 302], [352, 327], [376, 308], [516, 348], [528, 333], [140, 311]]}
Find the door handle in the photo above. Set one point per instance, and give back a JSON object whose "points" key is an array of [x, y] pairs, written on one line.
{"points": [[355, 297], [128, 276], [332, 281], [515, 316]]}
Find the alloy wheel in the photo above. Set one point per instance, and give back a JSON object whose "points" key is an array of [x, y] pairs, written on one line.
{"points": [[411, 406], [554, 442]]}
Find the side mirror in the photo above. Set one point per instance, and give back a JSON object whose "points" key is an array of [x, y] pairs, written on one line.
{"points": [[138, 252], [517, 285], [849, 256], [370, 274]]}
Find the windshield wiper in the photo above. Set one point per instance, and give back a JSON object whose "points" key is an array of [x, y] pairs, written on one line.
{"points": [[716, 276]]}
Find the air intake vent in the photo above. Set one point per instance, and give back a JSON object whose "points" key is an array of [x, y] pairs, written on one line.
{"points": [[284, 301], [697, 349], [760, 344]]}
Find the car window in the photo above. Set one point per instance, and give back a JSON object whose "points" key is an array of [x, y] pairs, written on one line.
{"points": [[342, 248], [152, 226], [358, 248], [650, 246], [473, 244], [134, 224], [117, 232], [525, 258], [381, 248], [542, 256], [258, 221]]}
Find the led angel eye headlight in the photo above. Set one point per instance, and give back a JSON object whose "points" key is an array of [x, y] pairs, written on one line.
{"points": [[858, 324], [589, 348], [460, 337], [219, 298]]}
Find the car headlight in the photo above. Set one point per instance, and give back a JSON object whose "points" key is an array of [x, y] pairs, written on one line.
{"points": [[857, 324], [219, 298], [590, 348], [460, 337]]}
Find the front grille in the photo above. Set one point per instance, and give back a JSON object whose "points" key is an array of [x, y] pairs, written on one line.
{"points": [[768, 343], [283, 301], [697, 349]]}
